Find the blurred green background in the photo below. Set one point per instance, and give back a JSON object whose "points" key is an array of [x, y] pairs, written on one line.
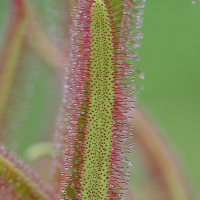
{"points": [[170, 58]]}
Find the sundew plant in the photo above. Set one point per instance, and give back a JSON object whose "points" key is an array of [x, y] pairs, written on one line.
{"points": [[97, 100], [94, 126]]}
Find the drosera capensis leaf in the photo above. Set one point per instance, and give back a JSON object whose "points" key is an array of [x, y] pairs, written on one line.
{"points": [[163, 162], [96, 99], [11, 54], [98, 136], [24, 181], [42, 43]]}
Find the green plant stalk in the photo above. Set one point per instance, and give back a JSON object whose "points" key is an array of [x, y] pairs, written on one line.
{"points": [[98, 137]]}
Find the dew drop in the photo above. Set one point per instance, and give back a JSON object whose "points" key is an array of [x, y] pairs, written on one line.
{"points": [[141, 76], [137, 44], [132, 145], [62, 190], [131, 135]]}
